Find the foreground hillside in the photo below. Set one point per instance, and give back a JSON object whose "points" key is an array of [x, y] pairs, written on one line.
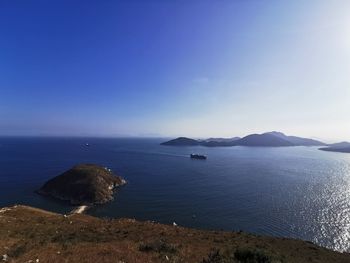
{"points": [[33, 235]]}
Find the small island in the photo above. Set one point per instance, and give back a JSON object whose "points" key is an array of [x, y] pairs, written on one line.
{"points": [[341, 147], [182, 141], [84, 184], [336, 149]]}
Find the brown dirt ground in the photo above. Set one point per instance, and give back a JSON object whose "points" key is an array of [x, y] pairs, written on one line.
{"points": [[28, 234]]}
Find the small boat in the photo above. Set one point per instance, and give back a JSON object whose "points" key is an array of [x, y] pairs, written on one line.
{"points": [[86, 144], [198, 156]]}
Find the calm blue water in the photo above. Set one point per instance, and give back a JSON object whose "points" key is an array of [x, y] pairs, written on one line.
{"points": [[297, 192]]}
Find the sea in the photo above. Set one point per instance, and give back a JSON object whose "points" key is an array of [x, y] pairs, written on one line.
{"points": [[294, 192]]}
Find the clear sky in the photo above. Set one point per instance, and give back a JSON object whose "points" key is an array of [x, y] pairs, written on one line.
{"points": [[169, 68]]}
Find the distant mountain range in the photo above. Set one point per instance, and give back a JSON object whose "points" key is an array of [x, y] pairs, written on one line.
{"points": [[268, 139], [212, 142], [297, 141]]}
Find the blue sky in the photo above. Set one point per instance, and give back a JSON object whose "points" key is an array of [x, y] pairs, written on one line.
{"points": [[169, 68]]}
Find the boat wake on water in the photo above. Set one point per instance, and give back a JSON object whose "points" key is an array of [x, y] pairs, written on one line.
{"points": [[153, 153]]}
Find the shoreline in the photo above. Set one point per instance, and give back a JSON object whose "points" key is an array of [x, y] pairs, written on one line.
{"points": [[80, 209]]}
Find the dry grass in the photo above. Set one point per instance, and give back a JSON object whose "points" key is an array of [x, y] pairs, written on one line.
{"points": [[30, 234]]}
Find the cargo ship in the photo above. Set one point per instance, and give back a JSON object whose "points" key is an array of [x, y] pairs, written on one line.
{"points": [[198, 156]]}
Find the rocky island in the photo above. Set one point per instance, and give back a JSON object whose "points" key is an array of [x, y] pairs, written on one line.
{"points": [[84, 184], [182, 141], [336, 149], [341, 147]]}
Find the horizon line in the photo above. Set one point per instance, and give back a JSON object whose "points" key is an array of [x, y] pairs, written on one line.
{"points": [[124, 136]]}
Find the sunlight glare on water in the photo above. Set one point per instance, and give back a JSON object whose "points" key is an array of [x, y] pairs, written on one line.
{"points": [[297, 192]]}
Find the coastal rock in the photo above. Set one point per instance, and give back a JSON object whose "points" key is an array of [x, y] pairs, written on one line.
{"points": [[84, 184]]}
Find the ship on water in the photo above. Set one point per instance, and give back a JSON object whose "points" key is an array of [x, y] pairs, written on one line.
{"points": [[198, 156]]}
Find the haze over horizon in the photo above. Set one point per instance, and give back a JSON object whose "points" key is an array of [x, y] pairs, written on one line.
{"points": [[196, 69]]}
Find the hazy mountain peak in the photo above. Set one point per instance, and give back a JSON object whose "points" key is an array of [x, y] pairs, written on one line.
{"points": [[276, 133]]}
